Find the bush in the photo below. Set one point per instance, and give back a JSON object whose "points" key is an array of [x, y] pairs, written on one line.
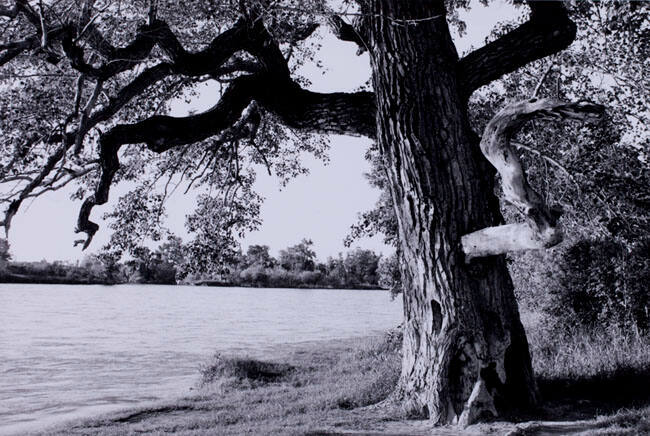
{"points": [[242, 370], [255, 275], [309, 277], [601, 283]]}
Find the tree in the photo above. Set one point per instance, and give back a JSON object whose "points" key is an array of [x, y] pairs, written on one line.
{"points": [[299, 257], [92, 266], [5, 255], [389, 274], [336, 273], [465, 354], [361, 266], [259, 255]]}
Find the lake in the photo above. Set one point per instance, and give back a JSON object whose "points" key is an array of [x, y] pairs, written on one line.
{"points": [[73, 351]]}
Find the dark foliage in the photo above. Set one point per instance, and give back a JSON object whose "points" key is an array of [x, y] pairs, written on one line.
{"points": [[603, 283]]}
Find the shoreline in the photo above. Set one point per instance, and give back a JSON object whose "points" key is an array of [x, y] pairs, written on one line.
{"points": [[87, 416], [53, 280], [336, 387]]}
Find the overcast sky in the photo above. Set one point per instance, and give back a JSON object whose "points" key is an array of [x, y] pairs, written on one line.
{"points": [[320, 206]]}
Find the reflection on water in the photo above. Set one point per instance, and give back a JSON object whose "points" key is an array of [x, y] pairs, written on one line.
{"points": [[68, 351]]}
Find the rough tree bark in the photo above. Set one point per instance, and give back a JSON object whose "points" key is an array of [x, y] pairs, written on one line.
{"points": [[465, 353]]}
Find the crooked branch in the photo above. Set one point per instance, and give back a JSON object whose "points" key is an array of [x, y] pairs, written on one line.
{"points": [[541, 229], [343, 113]]}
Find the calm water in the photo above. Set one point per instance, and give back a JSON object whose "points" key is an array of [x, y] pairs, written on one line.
{"points": [[70, 351]]}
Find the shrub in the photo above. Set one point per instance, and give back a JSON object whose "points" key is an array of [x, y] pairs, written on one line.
{"points": [[602, 283], [309, 277], [242, 370], [255, 275]]}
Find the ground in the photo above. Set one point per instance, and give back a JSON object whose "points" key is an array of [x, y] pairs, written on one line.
{"points": [[591, 385]]}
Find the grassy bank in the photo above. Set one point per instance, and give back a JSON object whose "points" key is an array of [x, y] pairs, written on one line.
{"points": [[595, 384]]}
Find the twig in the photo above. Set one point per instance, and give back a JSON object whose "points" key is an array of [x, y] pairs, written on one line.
{"points": [[542, 79], [548, 159]]}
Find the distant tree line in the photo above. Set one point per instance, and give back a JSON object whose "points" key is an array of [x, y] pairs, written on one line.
{"points": [[295, 266]]}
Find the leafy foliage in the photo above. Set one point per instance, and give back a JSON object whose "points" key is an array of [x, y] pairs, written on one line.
{"points": [[381, 219], [389, 273], [299, 257], [217, 223], [601, 284], [54, 107]]}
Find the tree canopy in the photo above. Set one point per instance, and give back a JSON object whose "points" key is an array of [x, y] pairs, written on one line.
{"points": [[84, 78], [77, 72]]}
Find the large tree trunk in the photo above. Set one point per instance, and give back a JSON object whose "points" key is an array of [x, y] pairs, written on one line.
{"points": [[465, 354]]}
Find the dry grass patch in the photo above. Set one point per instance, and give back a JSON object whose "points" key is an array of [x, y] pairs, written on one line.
{"points": [[595, 383]]}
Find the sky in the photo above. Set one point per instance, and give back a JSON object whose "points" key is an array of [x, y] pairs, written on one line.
{"points": [[321, 205]]}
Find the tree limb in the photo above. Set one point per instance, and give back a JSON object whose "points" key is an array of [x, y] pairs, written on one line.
{"points": [[548, 31], [341, 113], [13, 49], [195, 64], [542, 229], [270, 86], [347, 32], [85, 114]]}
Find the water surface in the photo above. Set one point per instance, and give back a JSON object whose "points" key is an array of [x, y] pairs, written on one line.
{"points": [[69, 351]]}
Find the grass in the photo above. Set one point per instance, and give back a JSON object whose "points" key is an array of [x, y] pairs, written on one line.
{"points": [[237, 395], [593, 383], [577, 353]]}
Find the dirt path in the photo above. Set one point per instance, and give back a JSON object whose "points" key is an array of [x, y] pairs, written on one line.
{"points": [[628, 423]]}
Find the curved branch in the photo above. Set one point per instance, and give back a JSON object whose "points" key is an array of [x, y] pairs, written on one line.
{"points": [[348, 32], [542, 229], [324, 113], [199, 63], [120, 59], [548, 31], [52, 161]]}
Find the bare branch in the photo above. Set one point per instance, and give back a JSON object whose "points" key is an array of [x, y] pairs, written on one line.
{"points": [[542, 79], [41, 17], [153, 11], [83, 123], [549, 160], [542, 229]]}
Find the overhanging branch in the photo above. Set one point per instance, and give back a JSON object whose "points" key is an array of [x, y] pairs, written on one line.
{"points": [[198, 63], [348, 32], [270, 86], [341, 113], [548, 31]]}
